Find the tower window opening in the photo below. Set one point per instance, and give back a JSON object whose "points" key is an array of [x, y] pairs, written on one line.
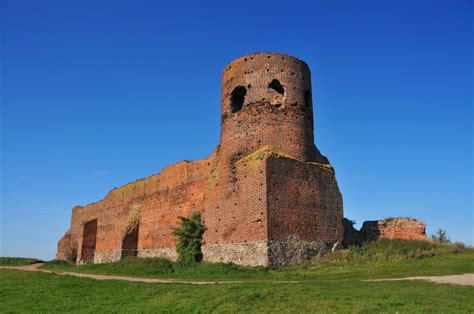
{"points": [[276, 93], [276, 86], [237, 98]]}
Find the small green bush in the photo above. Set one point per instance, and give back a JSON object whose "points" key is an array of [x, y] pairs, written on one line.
{"points": [[440, 237], [189, 235]]}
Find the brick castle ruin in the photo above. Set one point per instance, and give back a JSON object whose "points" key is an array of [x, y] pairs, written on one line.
{"points": [[266, 194]]}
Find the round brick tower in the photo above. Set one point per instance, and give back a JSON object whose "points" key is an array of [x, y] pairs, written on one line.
{"points": [[267, 101]]}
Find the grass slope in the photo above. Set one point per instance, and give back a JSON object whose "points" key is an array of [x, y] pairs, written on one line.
{"points": [[39, 292], [380, 259], [17, 261]]}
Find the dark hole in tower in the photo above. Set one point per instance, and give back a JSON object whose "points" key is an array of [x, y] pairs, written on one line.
{"points": [[237, 98], [89, 237], [276, 92], [276, 86], [130, 242]]}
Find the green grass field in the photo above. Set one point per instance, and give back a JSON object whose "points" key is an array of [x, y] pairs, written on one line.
{"points": [[39, 292], [334, 283]]}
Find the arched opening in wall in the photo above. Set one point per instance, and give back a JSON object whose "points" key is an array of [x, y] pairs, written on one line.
{"points": [[89, 238], [308, 99], [129, 231], [276, 93], [237, 98], [130, 242]]}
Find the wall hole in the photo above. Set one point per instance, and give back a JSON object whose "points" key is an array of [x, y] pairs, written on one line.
{"points": [[237, 98], [276, 86], [130, 242], [276, 92], [89, 236]]}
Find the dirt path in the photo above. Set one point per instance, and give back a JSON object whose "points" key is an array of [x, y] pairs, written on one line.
{"points": [[35, 267], [464, 279]]}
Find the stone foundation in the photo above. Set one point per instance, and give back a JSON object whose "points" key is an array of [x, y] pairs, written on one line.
{"points": [[107, 257], [293, 250], [290, 250], [246, 254], [169, 253], [117, 255]]}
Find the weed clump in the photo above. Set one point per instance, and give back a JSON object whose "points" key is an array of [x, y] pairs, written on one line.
{"points": [[440, 237], [189, 234]]}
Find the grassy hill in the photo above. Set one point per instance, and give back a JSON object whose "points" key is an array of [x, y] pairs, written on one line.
{"points": [[39, 292], [379, 259], [333, 283], [17, 261]]}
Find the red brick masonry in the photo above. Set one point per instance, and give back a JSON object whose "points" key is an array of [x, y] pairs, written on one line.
{"points": [[267, 195], [390, 228], [394, 228]]}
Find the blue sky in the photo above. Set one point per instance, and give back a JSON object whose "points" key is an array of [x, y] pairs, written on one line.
{"points": [[95, 94]]}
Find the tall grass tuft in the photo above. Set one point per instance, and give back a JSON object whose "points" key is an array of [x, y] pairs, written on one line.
{"points": [[390, 249]]}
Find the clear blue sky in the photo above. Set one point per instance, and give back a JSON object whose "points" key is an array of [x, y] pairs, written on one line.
{"points": [[96, 94]]}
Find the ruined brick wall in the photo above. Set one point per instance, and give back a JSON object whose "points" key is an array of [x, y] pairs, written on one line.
{"points": [[66, 247], [236, 217], [351, 235], [254, 206], [303, 200], [160, 199], [304, 205], [393, 228], [390, 228]]}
